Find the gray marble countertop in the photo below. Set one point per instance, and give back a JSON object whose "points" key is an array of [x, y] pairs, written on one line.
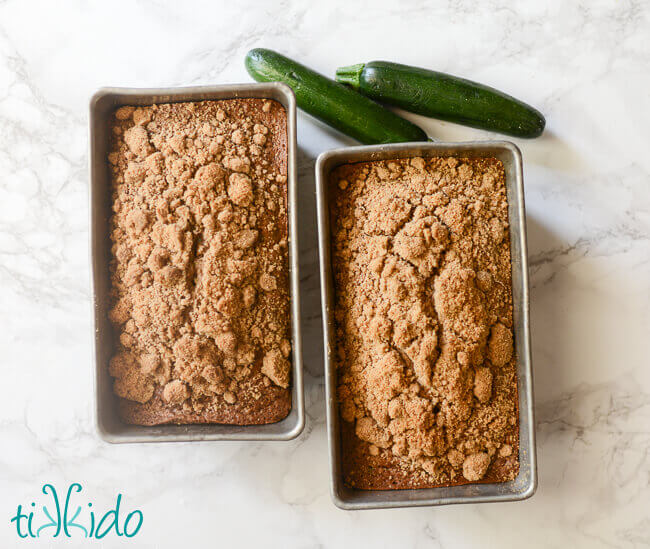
{"points": [[585, 65]]}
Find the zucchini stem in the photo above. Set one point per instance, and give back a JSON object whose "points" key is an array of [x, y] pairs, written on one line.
{"points": [[350, 75]]}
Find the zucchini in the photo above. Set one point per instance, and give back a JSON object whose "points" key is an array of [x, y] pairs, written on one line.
{"points": [[331, 102], [443, 96]]}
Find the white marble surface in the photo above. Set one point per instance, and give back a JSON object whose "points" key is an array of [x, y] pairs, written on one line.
{"points": [[586, 65]]}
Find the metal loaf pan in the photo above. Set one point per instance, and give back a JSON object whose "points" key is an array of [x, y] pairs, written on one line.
{"points": [[109, 425], [525, 484]]}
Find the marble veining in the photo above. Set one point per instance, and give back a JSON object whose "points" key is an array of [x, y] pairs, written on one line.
{"points": [[584, 64]]}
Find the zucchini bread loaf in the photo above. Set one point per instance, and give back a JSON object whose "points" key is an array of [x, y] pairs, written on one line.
{"points": [[426, 372], [200, 283]]}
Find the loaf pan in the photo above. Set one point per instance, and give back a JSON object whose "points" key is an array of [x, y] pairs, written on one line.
{"points": [[109, 425], [525, 484]]}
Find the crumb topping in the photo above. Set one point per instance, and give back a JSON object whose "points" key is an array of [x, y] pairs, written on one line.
{"points": [[200, 260], [426, 372]]}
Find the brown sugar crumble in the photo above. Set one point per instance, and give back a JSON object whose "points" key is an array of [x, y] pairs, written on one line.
{"points": [[427, 384], [200, 284]]}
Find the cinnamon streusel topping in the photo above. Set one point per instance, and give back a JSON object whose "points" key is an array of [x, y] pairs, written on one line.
{"points": [[200, 261], [426, 370]]}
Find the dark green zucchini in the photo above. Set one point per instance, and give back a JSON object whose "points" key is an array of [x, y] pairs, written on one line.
{"points": [[331, 102], [443, 96]]}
